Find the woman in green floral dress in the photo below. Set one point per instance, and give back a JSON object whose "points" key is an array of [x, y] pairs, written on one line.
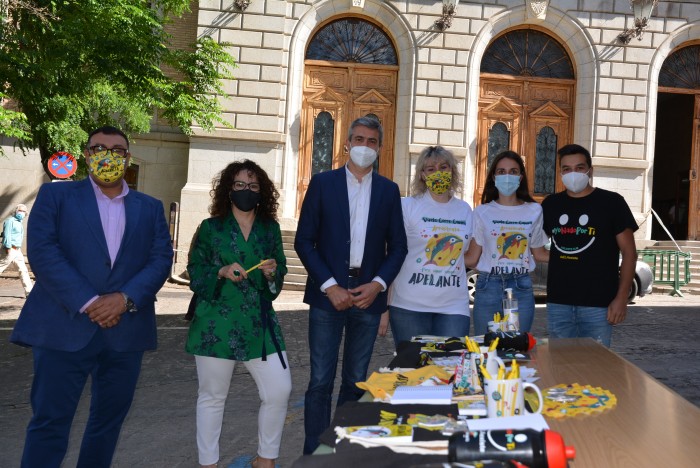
{"points": [[237, 267]]}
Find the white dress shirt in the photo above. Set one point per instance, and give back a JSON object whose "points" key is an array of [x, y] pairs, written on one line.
{"points": [[359, 195]]}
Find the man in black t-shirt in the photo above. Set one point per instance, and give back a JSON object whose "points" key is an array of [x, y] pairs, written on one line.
{"points": [[589, 228]]}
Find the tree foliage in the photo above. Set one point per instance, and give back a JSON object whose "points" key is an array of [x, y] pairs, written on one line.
{"points": [[69, 66]]}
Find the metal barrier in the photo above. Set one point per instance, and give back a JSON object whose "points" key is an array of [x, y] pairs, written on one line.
{"points": [[667, 269]]}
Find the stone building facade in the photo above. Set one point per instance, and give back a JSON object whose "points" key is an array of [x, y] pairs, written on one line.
{"points": [[636, 106]]}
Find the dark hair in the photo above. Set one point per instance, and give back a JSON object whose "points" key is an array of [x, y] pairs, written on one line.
{"points": [[568, 150], [370, 121], [223, 184], [490, 190], [108, 130]]}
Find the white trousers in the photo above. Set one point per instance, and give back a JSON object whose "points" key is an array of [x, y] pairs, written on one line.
{"points": [[16, 256], [274, 386]]}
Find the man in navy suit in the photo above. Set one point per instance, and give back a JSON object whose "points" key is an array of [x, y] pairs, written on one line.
{"points": [[100, 253], [352, 241]]}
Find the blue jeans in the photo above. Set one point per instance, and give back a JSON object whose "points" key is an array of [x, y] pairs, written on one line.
{"points": [[488, 299], [407, 323], [325, 334], [570, 321]]}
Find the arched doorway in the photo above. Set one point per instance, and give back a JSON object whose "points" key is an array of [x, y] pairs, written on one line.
{"points": [[350, 70], [526, 104], [675, 196]]}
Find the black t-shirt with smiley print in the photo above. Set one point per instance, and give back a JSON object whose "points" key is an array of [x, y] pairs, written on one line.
{"points": [[584, 256]]}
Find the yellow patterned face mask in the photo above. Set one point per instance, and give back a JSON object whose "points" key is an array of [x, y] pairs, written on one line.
{"points": [[439, 182], [106, 167]]}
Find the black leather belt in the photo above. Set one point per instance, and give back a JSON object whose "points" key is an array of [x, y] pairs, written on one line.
{"points": [[354, 273]]}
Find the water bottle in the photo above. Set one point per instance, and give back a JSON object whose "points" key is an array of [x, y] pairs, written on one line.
{"points": [[510, 310], [532, 448], [511, 341]]}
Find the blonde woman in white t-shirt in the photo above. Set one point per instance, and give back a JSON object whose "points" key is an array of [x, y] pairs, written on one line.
{"points": [[508, 239], [429, 296]]}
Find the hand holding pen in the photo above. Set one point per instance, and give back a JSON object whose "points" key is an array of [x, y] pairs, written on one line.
{"points": [[235, 272], [268, 268]]}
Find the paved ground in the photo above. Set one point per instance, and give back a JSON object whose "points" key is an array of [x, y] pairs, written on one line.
{"points": [[660, 336]]}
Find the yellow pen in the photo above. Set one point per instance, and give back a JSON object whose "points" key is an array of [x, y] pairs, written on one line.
{"points": [[484, 372], [513, 370], [493, 345], [501, 372], [516, 370], [256, 266]]}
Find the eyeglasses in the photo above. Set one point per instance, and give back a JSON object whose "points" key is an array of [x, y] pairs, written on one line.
{"points": [[239, 185], [119, 152]]}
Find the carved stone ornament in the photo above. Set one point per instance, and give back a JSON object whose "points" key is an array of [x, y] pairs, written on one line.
{"points": [[360, 4], [536, 8], [241, 4]]}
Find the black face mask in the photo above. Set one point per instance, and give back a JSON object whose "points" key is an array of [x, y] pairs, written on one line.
{"points": [[245, 200]]}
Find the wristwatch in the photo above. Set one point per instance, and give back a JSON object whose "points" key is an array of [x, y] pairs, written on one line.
{"points": [[129, 304]]}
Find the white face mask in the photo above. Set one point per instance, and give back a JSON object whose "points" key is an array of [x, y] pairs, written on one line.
{"points": [[363, 156], [575, 181]]}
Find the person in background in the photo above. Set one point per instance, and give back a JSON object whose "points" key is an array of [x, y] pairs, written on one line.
{"points": [[237, 269], [12, 238], [352, 242], [508, 239], [100, 252], [429, 296], [587, 287]]}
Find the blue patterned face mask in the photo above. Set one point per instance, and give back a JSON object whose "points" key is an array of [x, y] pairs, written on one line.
{"points": [[19, 216], [507, 184]]}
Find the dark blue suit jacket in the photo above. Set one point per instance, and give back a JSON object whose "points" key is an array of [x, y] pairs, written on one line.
{"points": [[323, 236], [68, 253]]}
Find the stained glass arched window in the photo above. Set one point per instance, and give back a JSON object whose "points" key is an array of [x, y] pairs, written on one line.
{"points": [[499, 141], [681, 69], [322, 158], [545, 161], [352, 40], [527, 52]]}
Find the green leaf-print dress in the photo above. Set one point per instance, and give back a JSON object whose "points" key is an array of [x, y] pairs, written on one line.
{"points": [[228, 320]]}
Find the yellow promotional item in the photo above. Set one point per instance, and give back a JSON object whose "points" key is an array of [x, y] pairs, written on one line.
{"points": [[563, 400], [106, 167], [382, 385]]}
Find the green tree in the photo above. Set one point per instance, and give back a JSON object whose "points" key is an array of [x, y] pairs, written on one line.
{"points": [[68, 66]]}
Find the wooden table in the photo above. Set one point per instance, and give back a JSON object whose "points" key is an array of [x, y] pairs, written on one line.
{"points": [[651, 425]]}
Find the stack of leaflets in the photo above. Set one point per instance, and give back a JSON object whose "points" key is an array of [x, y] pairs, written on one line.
{"points": [[423, 394], [472, 405], [389, 434]]}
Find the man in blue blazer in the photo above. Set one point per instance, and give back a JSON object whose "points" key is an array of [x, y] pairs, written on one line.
{"points": [[352, 241], [100, 253]]}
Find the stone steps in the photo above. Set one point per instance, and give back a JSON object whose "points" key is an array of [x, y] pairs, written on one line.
{"points": [[689, 246], [296, 275]]}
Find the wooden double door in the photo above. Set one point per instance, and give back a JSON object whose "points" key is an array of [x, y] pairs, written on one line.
{"points": [[334, 95], [531, 116], [676, 190]]}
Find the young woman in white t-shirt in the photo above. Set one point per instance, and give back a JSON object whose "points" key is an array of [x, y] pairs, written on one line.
{"points": [[429, 296], [507, 239]]}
